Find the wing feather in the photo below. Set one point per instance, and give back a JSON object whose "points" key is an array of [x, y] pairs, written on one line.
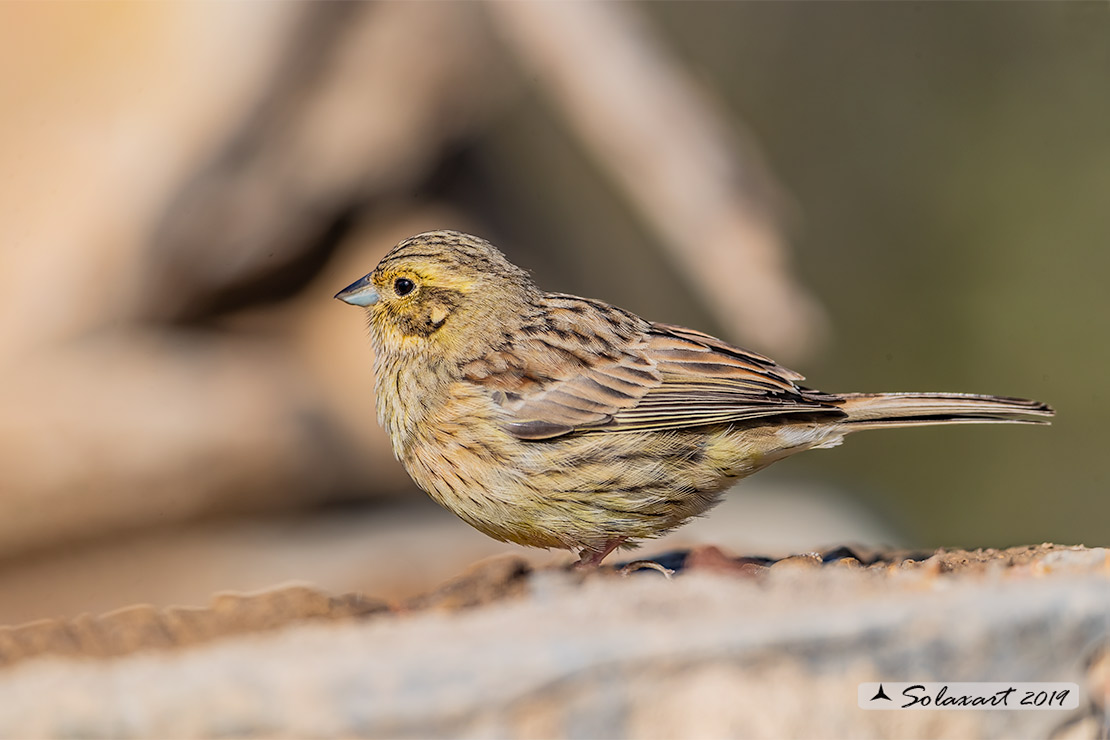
{"points": [[584, 366]]}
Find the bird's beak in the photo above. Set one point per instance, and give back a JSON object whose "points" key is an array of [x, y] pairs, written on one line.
{"points": [[359, 293]]}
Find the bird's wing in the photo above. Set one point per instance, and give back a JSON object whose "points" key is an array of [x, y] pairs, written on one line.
{"points": [[707, 381], [589, 367]]}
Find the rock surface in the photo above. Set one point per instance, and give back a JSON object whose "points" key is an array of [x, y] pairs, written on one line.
{"points": [[729, 647]]}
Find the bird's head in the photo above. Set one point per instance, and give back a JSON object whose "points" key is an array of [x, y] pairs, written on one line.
{"points": [[444, 289]]}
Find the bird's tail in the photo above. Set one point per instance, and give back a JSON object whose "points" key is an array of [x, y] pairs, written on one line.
{"points": [[878, 410]]}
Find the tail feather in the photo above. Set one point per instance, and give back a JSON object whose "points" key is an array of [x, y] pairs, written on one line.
{"points": [[875, 410]]}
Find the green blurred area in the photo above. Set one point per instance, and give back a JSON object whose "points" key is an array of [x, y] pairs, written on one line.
{"points": [[949, 166]]}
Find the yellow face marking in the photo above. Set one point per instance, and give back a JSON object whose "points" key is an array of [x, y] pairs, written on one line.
{"points": [[425, 274]]}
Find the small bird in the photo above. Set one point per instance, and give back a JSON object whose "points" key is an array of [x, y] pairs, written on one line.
{"points": [[555, 421]]}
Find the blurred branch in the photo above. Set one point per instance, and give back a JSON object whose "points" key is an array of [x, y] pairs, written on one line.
{"points": [[135, 429], [695, 180], [354, 115]]}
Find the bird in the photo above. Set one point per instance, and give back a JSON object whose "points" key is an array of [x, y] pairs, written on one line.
{"points": [[561, 422]]}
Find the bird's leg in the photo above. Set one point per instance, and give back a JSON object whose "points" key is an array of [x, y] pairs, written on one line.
{"points": [[588, 558]]}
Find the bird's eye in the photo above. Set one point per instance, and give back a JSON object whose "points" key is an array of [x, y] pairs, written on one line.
{"points": [[403, 286]]}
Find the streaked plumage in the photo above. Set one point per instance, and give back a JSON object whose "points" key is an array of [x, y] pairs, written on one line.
{"points": [[551, 420]]}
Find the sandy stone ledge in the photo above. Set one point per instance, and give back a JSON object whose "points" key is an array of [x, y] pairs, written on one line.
{"points": [[730, 647]]}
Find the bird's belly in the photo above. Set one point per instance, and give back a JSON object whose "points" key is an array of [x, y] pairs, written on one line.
{"points": [[633, 484], [473, 472], [581, 490]]}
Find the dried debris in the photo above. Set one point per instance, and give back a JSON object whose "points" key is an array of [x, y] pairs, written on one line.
{"points": [[142, 627]]}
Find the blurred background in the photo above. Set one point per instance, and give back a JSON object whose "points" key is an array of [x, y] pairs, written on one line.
{"points": [[904, 196]]}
